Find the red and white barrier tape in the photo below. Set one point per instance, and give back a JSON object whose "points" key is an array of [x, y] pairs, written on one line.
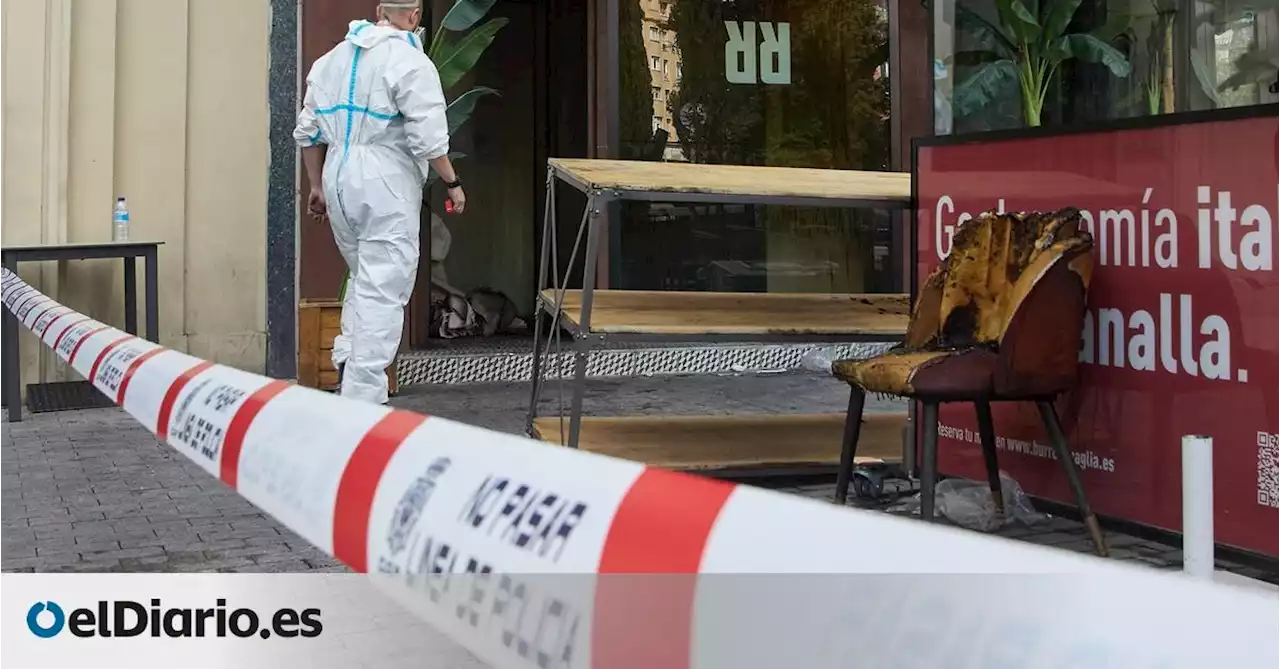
{"points": [[560, 558]]}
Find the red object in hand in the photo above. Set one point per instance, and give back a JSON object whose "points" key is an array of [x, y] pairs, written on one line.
{"points": [[448, 206]]}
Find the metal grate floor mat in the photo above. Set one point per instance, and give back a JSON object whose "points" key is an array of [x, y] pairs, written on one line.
{"points": [[65, 396]]}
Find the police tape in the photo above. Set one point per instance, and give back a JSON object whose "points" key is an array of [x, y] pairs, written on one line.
{"points": [[533, 555]]}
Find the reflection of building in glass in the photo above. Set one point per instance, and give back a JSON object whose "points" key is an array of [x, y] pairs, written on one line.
{"points": [[663, 57]]}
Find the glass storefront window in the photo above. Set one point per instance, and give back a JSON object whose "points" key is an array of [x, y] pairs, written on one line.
{"points": [[1003, 64], [794, 83]]}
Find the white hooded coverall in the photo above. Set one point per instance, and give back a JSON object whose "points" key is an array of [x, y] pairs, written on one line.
{"points": [[375, 101]]}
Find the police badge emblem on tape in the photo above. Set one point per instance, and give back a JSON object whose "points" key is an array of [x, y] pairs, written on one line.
{"points": [[411, 504]]}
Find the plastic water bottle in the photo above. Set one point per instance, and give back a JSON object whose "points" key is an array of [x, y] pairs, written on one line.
{"points": [[120, 222]]}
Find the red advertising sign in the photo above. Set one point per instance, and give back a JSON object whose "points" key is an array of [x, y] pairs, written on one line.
{"points": [[1181, 332]]}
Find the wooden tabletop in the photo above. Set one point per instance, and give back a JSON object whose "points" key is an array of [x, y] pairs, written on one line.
{"points": [[711, 313], [703, 443], [742, 181]]}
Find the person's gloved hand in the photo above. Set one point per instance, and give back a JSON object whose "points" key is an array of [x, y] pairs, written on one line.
{"points": [[316, 205], [458, 198]]}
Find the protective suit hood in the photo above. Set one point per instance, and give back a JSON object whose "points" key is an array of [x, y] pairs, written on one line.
{"points": [[367, 35]]}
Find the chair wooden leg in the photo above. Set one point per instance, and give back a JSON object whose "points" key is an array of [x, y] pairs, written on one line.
{"points": [[987, 435], [1060, 447], [929, 464], [849, 447]]}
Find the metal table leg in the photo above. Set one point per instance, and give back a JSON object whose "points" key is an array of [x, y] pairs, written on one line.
{"points": [[153, 295], [559, 292], [12, 381], [12, 373], [585, 339], [909, 442], [548, 239], [4, 365], [131, 295]]}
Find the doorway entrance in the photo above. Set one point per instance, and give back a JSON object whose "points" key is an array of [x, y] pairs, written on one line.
{"points": [[537, 63]]}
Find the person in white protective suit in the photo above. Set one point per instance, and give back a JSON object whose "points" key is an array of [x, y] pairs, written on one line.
{"points": [[371, 127]]}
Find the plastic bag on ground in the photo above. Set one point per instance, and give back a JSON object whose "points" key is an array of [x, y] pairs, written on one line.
{"points": [[968, 504], [819, 359]]}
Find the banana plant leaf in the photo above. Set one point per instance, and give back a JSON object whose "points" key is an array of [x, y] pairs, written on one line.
{"points": [[1056, 20], [465, 13], [990, 37], [454, 58], [459, 111], [1090, 49], [1019, 22], [983, 86]]}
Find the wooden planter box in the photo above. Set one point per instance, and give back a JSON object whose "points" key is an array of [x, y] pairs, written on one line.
{"points": [[318, 323]]}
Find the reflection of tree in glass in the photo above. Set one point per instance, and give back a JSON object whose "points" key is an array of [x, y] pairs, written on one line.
{"points": [[833, 114], [635, 99], [837, 113], [717, 122]]}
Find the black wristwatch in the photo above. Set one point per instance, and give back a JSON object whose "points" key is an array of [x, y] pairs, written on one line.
{"points": [[453, 184]]}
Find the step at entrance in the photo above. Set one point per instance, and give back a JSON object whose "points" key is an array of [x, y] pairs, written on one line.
{"points": [[511, 359]]}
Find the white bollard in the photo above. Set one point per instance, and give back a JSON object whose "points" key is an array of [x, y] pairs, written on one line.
{"points": [[1197, 506]]}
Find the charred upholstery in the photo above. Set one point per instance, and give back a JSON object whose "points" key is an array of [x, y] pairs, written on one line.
{"points": [[1000, 317], [999, 320]]}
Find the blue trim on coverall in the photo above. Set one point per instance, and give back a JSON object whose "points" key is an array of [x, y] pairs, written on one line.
{"points": [[358, 110], [351, 99]]}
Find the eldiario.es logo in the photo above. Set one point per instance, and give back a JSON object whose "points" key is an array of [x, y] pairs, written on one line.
{"points": [[125, 618]]}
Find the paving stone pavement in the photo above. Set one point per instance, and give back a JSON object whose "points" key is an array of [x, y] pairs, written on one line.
{"points": [[94, 491]]}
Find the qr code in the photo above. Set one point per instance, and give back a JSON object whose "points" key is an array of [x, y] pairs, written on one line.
{"points": [[1268, 470], [203, 418]]}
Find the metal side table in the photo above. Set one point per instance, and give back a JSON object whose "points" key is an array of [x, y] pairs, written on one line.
{"points": [[128, 252]]}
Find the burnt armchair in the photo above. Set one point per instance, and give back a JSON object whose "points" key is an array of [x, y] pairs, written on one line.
{"points": [[999, 320]]}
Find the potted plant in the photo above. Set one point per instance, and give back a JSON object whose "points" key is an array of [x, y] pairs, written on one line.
{"points": [[1027, 46]]}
